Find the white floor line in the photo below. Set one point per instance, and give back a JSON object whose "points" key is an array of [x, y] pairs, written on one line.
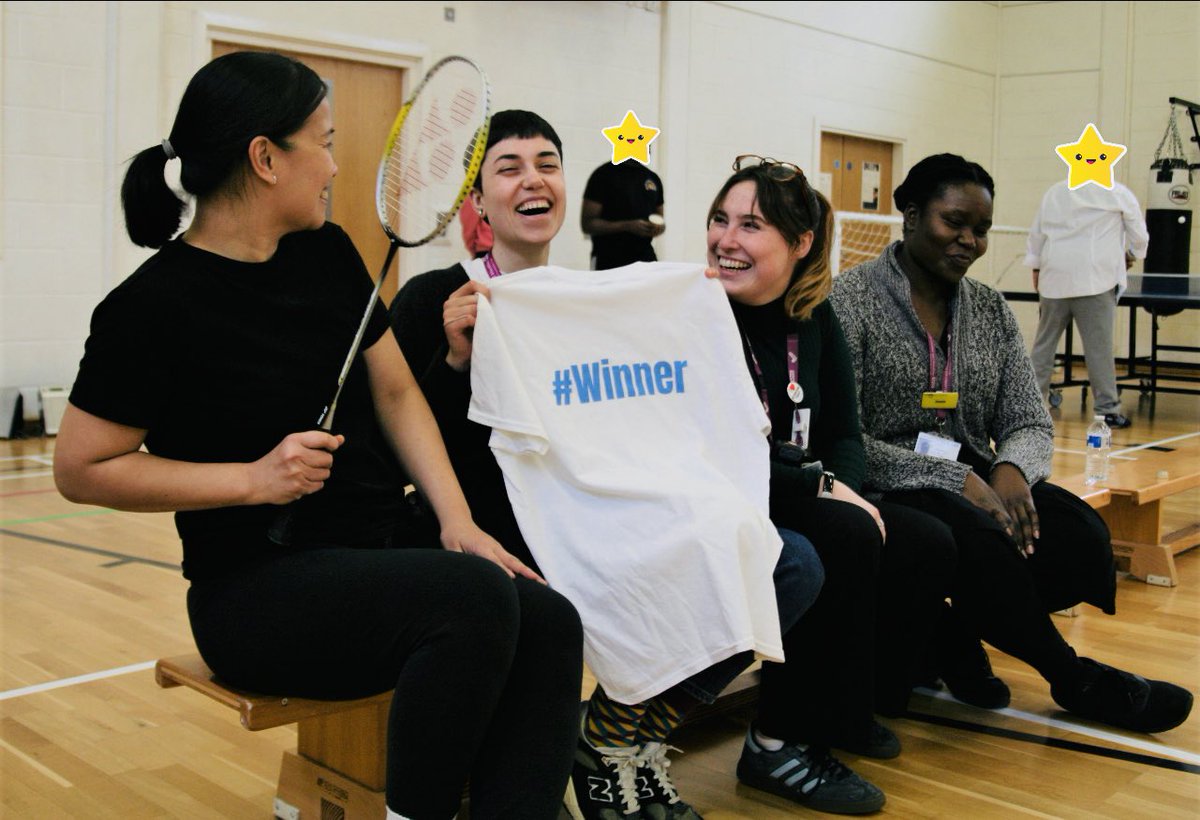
{"points": [[1084, 453], [91, 676], [50, 773], [26, 474], [40, 458], [1155, 443], [1096, 734]]}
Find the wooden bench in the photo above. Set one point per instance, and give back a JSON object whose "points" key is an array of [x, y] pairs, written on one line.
{"points": [[1134, 515], [339, 766]]}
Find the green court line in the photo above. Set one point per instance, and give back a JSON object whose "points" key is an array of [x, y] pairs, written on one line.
{"points": [[16, 521]]}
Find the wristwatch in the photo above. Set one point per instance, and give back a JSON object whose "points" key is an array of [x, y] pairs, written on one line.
{"points": [[827, 484]]}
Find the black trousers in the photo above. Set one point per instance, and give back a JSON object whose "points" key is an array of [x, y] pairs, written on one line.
{"points": [[1004, 598], [486, 669], [859, 642]]}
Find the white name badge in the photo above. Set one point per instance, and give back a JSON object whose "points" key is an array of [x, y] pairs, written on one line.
{"points": [[800, 419], [930, 445]]}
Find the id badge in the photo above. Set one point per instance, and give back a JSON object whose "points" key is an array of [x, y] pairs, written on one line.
{"points": [[800, 418], [939, 400], [930, 445]]}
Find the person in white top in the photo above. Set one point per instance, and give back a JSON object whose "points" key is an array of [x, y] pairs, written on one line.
{"points": [[1080, 246]]}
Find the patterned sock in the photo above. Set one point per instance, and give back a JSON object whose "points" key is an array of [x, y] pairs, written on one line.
{"points": [[662, 716], [610, 723]]}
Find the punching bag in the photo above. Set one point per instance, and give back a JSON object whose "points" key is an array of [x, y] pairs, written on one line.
{"points": [[1169, 217], [1169, 214]]}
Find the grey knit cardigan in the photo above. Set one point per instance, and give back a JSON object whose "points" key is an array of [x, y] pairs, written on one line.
{"points": [[998, 399]]}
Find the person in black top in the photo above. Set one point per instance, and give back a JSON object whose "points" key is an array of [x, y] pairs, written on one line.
{"points": [[622, 212], [218, 354], [886, 569]]}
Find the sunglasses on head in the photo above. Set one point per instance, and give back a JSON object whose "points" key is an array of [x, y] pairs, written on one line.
{"points": [[776, 170]]}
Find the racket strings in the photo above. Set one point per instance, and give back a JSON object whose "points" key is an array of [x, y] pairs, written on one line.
{"points": [[425, 173]]}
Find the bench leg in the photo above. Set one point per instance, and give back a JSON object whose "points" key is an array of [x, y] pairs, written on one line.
{"points": [[309, 791], [1137, 538], [339, 769]]}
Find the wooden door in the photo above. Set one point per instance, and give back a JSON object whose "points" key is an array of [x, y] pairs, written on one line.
{"points": [[861, 170], [365, 98]]}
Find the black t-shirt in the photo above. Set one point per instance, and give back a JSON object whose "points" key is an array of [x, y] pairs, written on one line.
{"points": [[416, 316], [629, 190], [219, 360]]}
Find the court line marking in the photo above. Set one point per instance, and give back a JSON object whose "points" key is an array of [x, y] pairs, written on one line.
{"points": [[26, 474], [120, 557], [1087, 731], [31, 457], [1156, 443], [28, 492], [1084, 453], [38, 767], [64, 682], [15, 521]]}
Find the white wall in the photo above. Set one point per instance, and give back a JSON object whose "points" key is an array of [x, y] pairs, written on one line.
{"points": [[87, 84], [1058, 70]]}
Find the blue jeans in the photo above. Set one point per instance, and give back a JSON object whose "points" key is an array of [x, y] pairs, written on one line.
{"points": [[798, 578]]}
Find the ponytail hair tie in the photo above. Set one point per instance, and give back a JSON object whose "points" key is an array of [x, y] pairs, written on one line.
{"points": [[168, 150]]}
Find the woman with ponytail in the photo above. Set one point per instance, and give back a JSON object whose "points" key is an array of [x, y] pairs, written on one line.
{"points": [[768, 235], [197, 393]]}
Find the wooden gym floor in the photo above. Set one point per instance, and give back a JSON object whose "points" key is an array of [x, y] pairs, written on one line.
{"points": [[89, 598]]}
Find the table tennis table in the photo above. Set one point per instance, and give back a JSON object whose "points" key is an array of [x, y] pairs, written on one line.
{"points": [[1162, 296]]}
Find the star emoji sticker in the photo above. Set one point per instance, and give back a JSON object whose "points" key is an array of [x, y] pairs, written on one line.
{"points": [[1090, 159], [630, 139]]}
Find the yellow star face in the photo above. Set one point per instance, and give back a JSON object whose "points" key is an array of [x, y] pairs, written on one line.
{"points": [[1091, 159], [630, 140]]}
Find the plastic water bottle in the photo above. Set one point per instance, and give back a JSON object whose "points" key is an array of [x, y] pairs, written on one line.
{"points": [[1099, 442]]}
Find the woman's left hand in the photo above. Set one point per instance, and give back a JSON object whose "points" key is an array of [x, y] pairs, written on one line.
{"points": [[471, 540], [1012, 488]]}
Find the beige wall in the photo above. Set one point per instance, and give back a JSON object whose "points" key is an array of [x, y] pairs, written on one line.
{"points": [[87, 84]]}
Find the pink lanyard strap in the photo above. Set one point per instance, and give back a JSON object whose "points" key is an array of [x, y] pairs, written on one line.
{"points": [[793, 349], [489, 264], [941, 414]]}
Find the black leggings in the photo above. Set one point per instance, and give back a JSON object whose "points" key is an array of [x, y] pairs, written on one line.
{"points": [[858, 642], [486, 670], [1005, 598]]}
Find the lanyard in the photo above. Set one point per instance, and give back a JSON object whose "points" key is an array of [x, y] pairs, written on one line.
{"points": [[489, 264], [941, 414], [793, 360]]}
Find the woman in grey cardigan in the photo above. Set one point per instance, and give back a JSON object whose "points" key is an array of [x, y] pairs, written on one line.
{"points": [[942, 375]]}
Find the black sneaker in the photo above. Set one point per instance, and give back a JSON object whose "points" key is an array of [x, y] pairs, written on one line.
{"points": [[1123, 699], [603, 783], [968, 676], [809, 776], [881, 745], [656, 793], [1116, 421]]}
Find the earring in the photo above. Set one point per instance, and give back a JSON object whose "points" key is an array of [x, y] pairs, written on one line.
{"points": [[480, 212], [274, 179]]}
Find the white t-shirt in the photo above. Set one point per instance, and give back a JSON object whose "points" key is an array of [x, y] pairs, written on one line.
{"points": [[633, 448], [1079, 238]]}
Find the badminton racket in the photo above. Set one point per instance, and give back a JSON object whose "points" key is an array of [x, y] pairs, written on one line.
{"points": [[430, 160]]}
